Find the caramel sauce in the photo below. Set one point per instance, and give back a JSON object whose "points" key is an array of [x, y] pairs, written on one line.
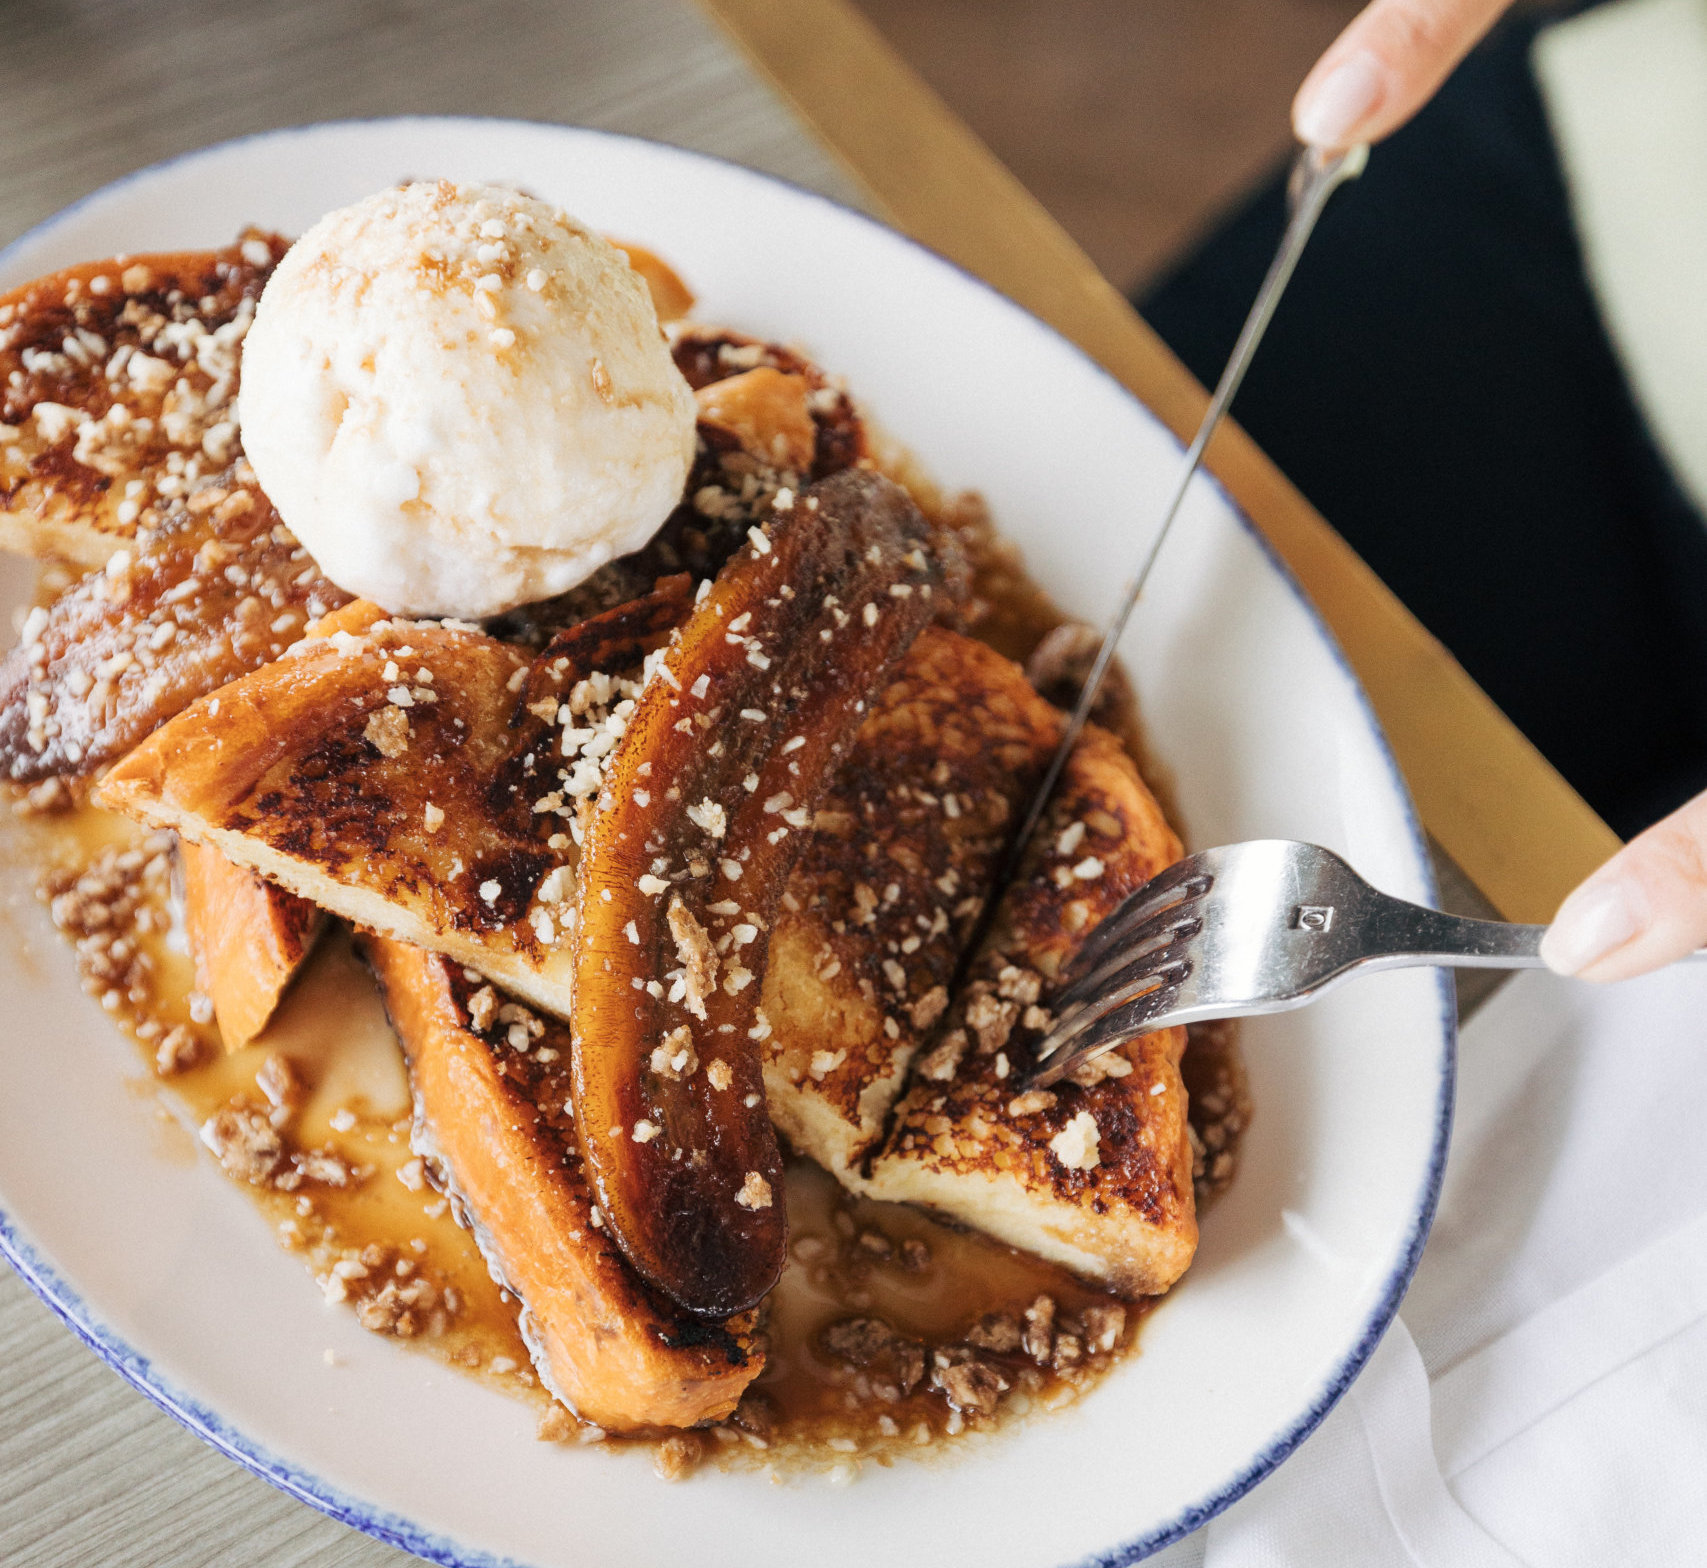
{"points": [[354, 1100], [852, 1255], [384, 1228]]}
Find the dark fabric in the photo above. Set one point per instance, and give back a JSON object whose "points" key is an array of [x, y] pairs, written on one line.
{"points": [[1439, 383]]}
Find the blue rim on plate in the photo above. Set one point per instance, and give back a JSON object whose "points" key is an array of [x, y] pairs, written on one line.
{"points": [[393, 1528]]}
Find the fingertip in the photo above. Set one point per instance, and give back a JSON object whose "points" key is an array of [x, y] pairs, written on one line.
{"points": [[1599, 918], [1339, 101], [1644, 909]]}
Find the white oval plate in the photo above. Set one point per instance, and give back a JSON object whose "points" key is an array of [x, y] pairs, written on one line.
{"points": [[170, 1274]]}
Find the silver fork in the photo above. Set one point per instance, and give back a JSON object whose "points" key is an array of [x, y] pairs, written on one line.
{"points": [[1251, 928]]}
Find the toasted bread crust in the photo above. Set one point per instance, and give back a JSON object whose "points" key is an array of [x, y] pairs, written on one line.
{"points": [[1110, 1198], [889, 888], [248, 939], [495, 1123], [116, 387]]}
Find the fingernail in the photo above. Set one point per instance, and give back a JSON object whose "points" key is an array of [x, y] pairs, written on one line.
{"points": [[1594, 921], [1338, 105]]}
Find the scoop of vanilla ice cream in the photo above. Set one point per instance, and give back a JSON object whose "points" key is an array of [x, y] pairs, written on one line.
{"points": [[459, 399]]}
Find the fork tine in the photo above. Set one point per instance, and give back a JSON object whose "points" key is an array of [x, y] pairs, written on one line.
{"points": [[1183, 882], [1129, 966], [1169, 973], [1150, 947], [1100, 1029]]}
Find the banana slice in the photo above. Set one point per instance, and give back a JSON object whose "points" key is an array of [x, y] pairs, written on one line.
{"points": [[703, 812]]}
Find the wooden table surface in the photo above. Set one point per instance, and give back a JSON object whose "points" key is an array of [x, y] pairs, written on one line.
{"points": [[91, 1473]]}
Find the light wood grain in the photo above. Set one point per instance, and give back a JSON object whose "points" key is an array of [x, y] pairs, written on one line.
{"points": [[1519, 831]]}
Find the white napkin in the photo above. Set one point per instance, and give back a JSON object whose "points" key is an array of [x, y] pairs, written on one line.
{"points": [[1543, 1397]]}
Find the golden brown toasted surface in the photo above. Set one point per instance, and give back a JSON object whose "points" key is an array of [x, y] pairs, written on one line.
{"points": [[116, 386], [493, 1118], [217, 588], [247, 937], [765, 412], [889, 888], [1095, 1174], [418, 778], [753, 708], [369, 773]]}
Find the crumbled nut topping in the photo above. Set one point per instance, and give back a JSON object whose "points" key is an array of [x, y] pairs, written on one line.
{"points": [[1111, 1064], [929, 1008], [992, 1020], [678, 1456], [1076, 1146], [482, 1009], [244, 1140], [971, 1384], [942, 1062], [1038, 1338], [998, 1331], [674, 1057], [279, 1081], [388, 732], [1031, 1102], [698, 957], [110, 908], [755, 1192]]}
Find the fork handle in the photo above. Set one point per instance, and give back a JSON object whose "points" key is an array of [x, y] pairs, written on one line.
{"points": [[1408, 934]]}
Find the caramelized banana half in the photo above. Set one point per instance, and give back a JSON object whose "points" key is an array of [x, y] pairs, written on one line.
{"points": [[702, 815], [219, 588]]}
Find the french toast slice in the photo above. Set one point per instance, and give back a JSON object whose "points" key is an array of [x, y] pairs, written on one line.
{"points": [[495, 1122], [1094, 1174], [889, 889], [217, 588], [247, 937], [117, 388], [370, 772]]}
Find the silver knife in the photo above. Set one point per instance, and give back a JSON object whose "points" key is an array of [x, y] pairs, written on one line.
{"points": [[1316, 175]]}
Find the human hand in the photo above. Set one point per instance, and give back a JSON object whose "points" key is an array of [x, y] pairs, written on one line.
{"points": [[1385, 66], [1644, 908]]}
